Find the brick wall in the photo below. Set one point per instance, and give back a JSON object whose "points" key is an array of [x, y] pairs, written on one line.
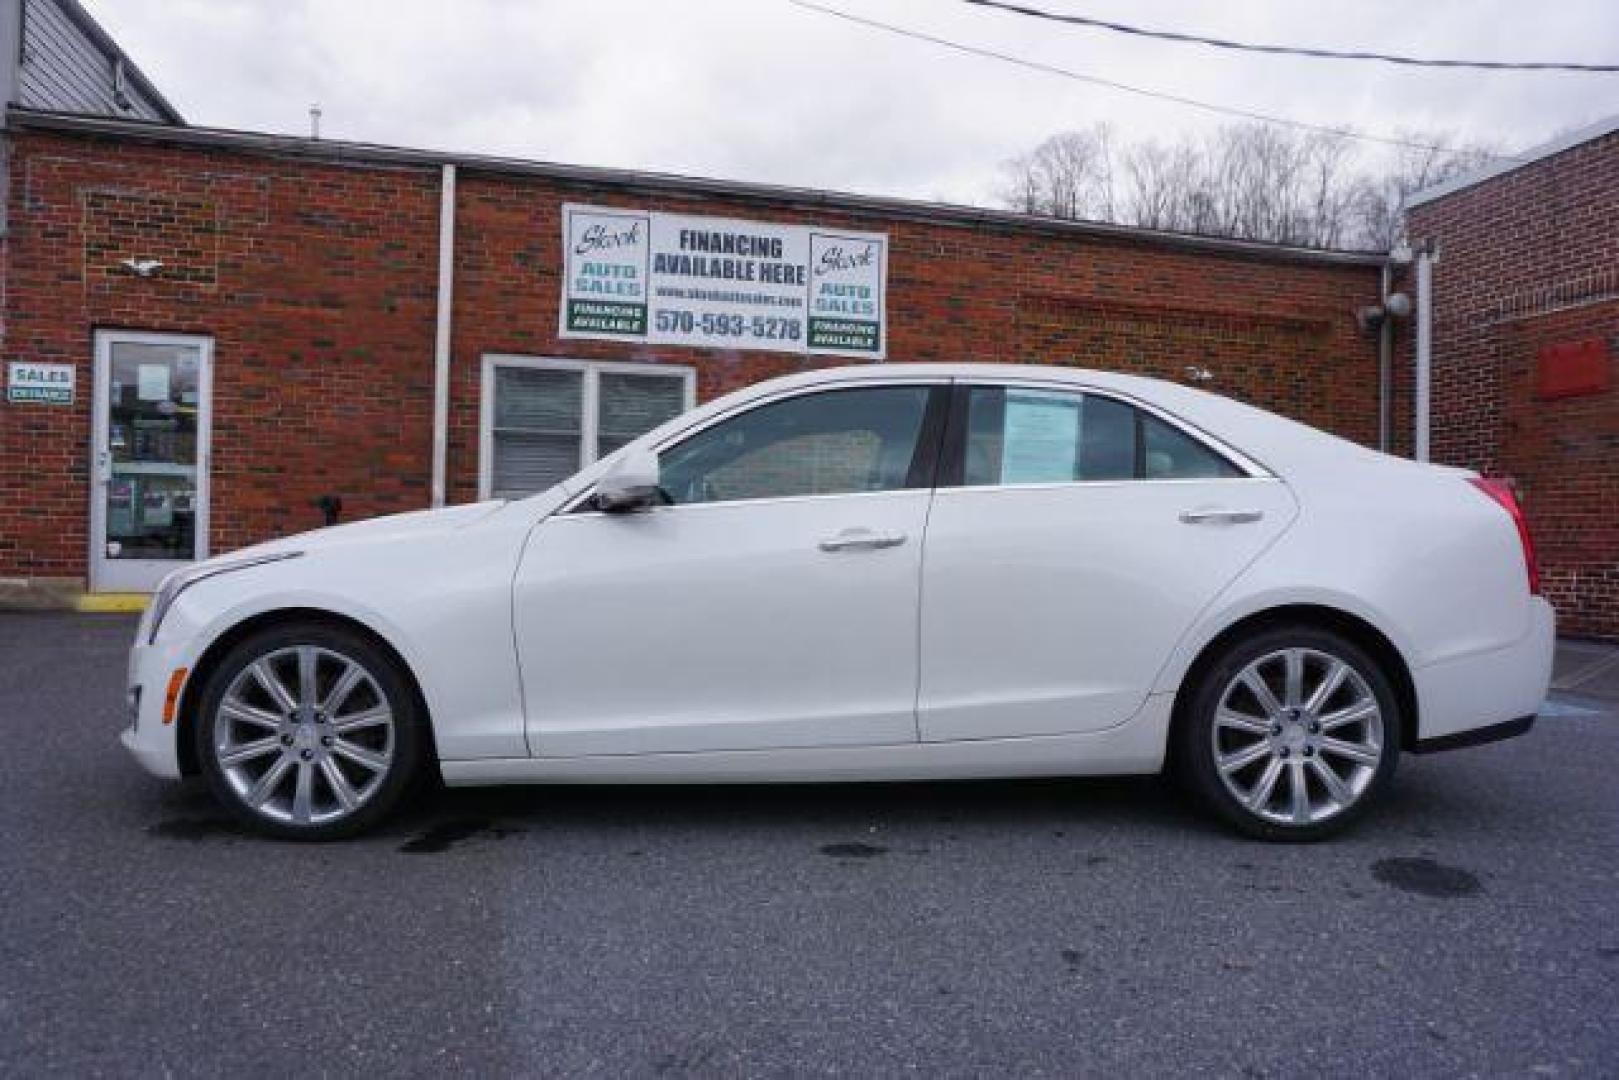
{"points": [[1281, 334], [317, 283], [314, 282], [1527, 260]]}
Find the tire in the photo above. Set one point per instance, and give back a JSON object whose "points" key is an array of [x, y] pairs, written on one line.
{"points": [[274, 757], [1242, 753]]}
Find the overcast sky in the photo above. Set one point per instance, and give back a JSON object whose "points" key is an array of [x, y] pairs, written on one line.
{"points": [[761, 90]]}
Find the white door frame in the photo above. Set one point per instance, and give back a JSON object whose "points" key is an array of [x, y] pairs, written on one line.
{"points": [[141, 575]]}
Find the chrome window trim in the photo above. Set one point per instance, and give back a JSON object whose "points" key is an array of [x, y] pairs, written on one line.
{"points": [[982, 489], [1250, 466], [564, 514]]}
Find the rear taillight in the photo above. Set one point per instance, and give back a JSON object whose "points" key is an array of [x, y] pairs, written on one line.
{"points": [[1502, 493]]}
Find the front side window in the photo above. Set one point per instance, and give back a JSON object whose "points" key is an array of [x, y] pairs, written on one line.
{"points": [[1028, 436], [549, 419], [828, 443]]}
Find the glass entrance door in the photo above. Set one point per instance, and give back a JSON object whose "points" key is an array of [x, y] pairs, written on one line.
{"points": [[149, 505]]}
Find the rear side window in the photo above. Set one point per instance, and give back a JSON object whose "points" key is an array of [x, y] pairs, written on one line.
{"points": [[1168, 453], [1019, 436]]}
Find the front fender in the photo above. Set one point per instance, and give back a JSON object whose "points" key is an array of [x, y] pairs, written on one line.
{"points": [[443, 603]]}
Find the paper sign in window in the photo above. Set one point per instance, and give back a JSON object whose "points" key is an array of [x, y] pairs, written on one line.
{"points": [[152, 382], [1041, 439]]}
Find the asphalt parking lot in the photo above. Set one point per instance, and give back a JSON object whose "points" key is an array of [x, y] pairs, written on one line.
{"points": [[1470, 927]]}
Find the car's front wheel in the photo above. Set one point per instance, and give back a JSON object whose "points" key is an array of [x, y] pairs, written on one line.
{"points": [[1290, 733], [308, 731]]}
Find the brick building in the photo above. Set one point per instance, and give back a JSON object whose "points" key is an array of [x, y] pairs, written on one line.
{"points": [[252, 322], [1525, 353], [209, 332]]}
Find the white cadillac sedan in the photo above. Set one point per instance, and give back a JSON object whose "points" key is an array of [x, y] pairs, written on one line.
{"points": [[893, 572]]}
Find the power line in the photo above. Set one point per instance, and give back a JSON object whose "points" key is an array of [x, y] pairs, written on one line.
{"points": [[1293, 50], [1096, 80]]}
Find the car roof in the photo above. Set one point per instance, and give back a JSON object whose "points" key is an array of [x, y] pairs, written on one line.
{"points": [[964, 370]]}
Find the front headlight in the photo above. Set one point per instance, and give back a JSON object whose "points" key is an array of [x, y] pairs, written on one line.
{"points": [[181, 580]]}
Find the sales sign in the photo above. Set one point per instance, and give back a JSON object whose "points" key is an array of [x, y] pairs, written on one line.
{"points": [[46, 384], [671, 279]]}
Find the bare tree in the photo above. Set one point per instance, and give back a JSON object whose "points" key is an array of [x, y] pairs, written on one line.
{"points": [[1266, 183], [1157, 177], [1067, 176], [1329, 189], [1378, 200], [1167, 187], [1254, 181]]}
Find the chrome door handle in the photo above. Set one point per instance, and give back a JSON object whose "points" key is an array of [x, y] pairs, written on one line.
{"points": [[1220, 517], [861, 540]]}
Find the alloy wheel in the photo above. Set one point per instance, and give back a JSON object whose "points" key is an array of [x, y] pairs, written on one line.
{"points": [[1298, 736], [304, 735]]}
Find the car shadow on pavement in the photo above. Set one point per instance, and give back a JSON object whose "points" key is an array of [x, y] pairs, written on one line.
{"points": [[1139, 799], [439, 818]]}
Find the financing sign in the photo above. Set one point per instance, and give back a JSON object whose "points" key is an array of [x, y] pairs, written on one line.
{"points": [[671, 279]]}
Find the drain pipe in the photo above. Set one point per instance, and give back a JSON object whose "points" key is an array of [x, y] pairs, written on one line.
{"points": [[441, 339], [1385, 361], [1425, 261], [1395, 305]]}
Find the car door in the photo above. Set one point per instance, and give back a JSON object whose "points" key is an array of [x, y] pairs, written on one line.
{"points": [[1073, 539], [772, 604]]}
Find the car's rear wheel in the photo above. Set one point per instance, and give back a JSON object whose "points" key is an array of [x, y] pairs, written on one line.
{"points": [[1290, 734], [308, 731]]}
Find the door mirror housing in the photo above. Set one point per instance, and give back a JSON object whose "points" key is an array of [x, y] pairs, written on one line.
{"points": [[630, 485]]}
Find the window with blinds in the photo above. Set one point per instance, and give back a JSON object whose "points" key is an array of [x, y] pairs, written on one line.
{"points": [[631, 404], [548, 419], [538, 425]]}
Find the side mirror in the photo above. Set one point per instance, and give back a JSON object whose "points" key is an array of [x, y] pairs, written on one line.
{"points": [[631, 484]]}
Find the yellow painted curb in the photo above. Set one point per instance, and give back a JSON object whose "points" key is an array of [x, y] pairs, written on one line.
{"points": [[112, 601]]}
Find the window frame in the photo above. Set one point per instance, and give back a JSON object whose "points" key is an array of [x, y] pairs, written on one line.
{"points": [[589, 398], [951, 473]]}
